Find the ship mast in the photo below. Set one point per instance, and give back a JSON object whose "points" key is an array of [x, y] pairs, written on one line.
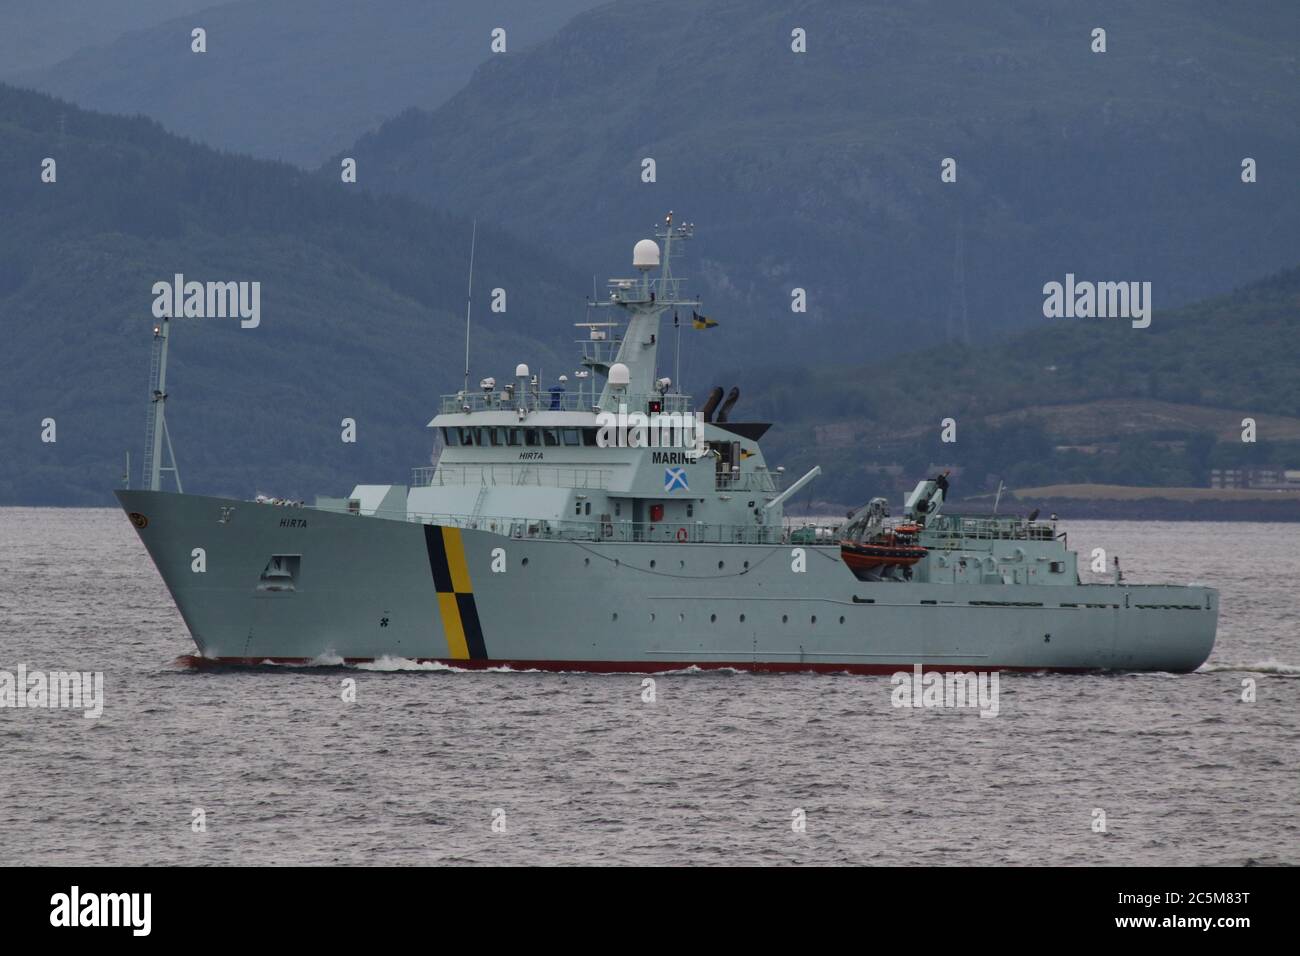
{"points": [[645, 300], [156, 433]]}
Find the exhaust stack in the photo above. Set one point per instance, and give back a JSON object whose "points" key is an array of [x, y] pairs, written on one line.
{"points": [[711, 403], [729, 404]]}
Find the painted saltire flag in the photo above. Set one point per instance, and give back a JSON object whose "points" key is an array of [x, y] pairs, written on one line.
{"points": [[675, 478]]}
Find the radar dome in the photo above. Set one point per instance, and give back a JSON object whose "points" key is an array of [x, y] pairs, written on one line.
{"points": [[618, 373], [645, 254], [521, 370]]}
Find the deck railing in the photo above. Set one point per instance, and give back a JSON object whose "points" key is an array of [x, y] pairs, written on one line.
{"points": [[988, 527], [565, 401], [761, 480], [583, 529]]}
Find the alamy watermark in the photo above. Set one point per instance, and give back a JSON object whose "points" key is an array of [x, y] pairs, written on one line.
{"points": [[953, 689], [208, 300], [129, 910], [66, 690], [1101, 300], [656, 430]]}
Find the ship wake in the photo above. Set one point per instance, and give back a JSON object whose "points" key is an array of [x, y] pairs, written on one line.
{"points": [[1259, 667]]}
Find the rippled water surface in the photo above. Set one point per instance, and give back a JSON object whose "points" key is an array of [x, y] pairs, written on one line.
{"points": [[286, 772]]}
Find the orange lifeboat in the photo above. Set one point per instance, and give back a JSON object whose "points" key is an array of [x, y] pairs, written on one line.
{"points": [[897, 547]]}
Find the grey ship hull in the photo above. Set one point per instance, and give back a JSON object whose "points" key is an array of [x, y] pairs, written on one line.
{"points": [[365, 588]]}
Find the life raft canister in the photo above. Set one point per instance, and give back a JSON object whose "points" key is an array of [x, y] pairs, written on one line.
{"points": [[681, 534]]}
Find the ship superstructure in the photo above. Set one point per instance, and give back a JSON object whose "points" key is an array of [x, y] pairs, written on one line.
{"points": [[604, 523]]}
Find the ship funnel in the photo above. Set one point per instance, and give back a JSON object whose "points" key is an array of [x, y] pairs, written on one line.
{"points": [[711, 403], [729, 404], [645, 255]]}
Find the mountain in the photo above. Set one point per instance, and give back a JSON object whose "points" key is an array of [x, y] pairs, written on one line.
{"points": [[821, 170], [38, 33], [296, 80], [1079, 401], [362, 313]]}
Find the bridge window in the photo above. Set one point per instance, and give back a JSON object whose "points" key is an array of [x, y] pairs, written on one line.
{"points": [[451, 436], [589, 437], [531, 437], [467, 436], [514, 436], [551, 437], [570, 436]]}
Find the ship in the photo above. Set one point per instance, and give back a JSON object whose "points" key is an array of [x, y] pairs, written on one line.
{"points": [[605, 523]]}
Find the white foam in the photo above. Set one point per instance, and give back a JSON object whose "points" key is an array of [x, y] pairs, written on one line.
{"points": [[1261, 667], [325, 659], [390, 664]]}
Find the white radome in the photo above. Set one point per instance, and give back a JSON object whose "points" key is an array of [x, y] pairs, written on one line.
{"points": [[619, 375], [645, 254], [521, 370]]}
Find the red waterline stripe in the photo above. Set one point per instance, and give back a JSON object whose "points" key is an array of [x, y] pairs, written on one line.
{"points": [[646, 667]]}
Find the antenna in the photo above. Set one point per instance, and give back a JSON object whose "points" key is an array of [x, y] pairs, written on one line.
{"points": [[469, 298]]}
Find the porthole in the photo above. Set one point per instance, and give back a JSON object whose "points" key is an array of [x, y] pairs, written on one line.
{"points": [[682, 563], [746, 565], [586, 562], [785, 618], [616, 615], [720, 563], [652, 617], [523, 563], [681, 618], [652, 564], [814, 618], [713, 619], [742, 619], [841, 618]]}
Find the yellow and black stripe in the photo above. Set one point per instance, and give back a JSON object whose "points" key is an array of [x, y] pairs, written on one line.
{"points": [[455, 594]]}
